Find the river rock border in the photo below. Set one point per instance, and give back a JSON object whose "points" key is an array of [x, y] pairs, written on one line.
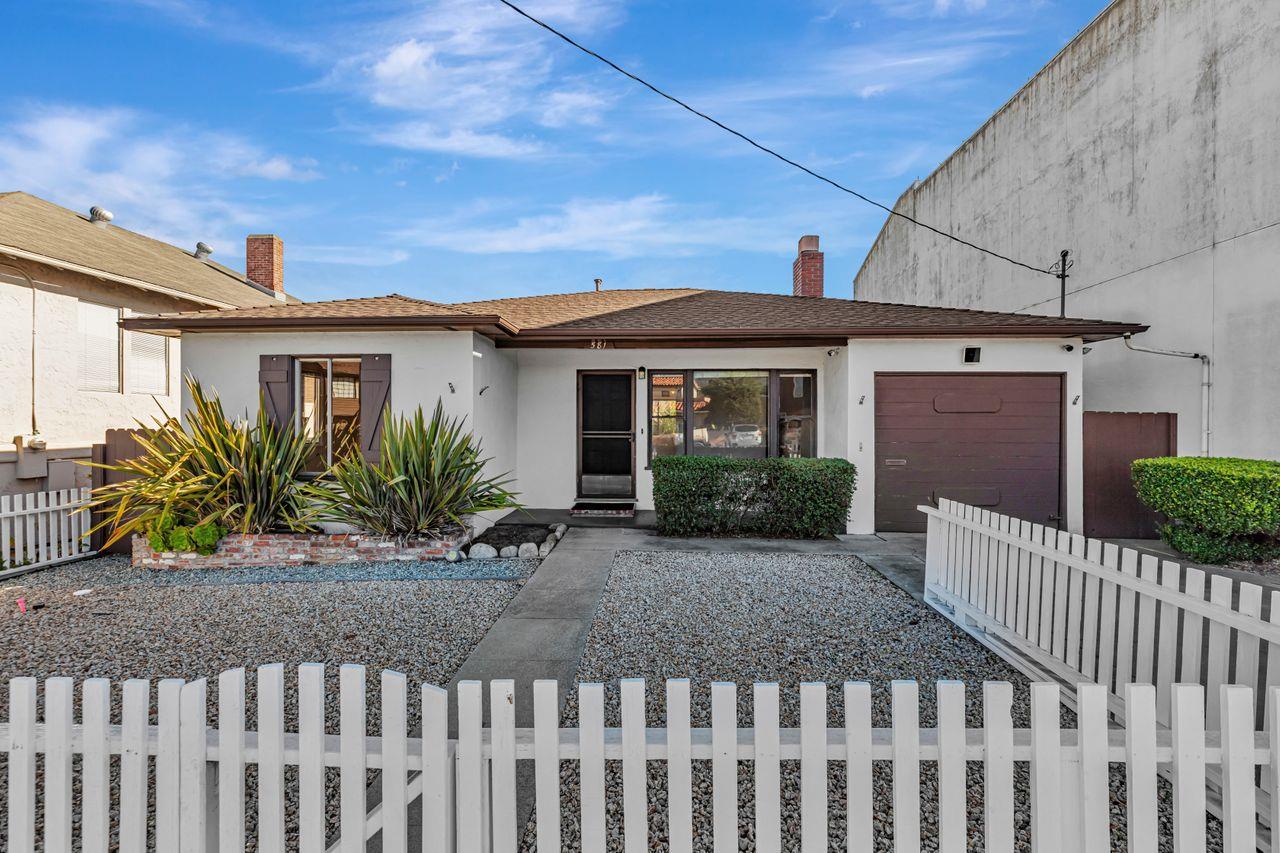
{"points": [[238, 550], [525, 550]]}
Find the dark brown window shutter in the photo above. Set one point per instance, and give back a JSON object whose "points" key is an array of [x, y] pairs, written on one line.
{"points": [[375, 396], [275, 379]]}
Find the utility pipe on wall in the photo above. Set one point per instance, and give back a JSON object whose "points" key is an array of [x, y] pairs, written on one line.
{"points": [[21, 273], [1206, 383]]}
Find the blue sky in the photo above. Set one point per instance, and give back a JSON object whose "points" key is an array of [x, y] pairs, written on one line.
{"points": [[448, 149]]}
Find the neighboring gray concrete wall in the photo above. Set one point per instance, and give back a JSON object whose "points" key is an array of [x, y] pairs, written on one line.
{"points": [[1150, 147]]}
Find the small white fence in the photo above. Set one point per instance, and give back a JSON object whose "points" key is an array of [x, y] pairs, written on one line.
{"points": [[43, 529], [1062, 607], [467, 785]]}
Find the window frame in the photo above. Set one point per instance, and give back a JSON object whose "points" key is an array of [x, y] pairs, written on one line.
{"points": [[120, 366], [130, 382], [772, 403], [296, 415]]}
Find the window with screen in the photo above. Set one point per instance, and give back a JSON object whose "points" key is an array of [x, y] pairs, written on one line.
{"points": [[148, 363], [739, 413], [99, 347]]}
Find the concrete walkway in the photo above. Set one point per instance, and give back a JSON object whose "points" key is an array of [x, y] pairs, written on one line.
{"points": [[541, 634], [543, 631]]}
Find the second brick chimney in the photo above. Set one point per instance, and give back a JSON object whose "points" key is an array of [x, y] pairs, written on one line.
{"points": [[264, 261], [806, 271]]}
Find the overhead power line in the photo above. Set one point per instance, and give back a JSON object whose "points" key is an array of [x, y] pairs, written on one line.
{"points": [[766, 149]]}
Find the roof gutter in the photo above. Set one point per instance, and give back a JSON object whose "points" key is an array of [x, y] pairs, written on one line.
{"points": [[262, 324], [15, 252], [1093, 331]]}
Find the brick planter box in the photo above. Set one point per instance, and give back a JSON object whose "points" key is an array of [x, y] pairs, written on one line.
{"points": [[239, 550]]}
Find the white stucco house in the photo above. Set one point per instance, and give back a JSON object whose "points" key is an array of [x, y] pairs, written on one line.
{"points": [[574, 393], [67, 371]]}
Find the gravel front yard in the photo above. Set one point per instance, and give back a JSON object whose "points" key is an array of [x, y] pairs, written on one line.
{"points": [[785, 618], [138, 624]]}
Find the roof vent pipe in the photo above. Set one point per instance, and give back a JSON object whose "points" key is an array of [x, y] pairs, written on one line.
{"points": [[599, 285], [100, 216], [203, 251]]}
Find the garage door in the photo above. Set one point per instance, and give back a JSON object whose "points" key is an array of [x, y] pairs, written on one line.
{"points": [[993, 441]]}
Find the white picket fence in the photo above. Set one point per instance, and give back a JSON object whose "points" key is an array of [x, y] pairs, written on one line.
{"points": [[43, 529], [468, 785], [1062, 607]]}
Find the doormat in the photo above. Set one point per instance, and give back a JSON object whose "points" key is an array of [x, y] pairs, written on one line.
{"points": [[604, 510]]}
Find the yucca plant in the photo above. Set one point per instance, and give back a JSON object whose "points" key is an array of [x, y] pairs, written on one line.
{"points": [[429, 477], [243, 477]]}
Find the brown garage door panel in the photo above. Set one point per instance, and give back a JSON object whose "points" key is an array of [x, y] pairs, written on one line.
{"points": [[931, 443]]}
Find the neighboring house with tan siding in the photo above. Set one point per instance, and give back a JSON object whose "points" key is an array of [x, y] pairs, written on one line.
{"points": [[68, 371]]}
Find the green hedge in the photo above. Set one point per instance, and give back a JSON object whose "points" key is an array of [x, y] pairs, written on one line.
{"points": [[720, 496], [1219, 509]]}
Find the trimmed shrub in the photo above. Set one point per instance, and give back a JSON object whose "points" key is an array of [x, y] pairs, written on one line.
{"points": [[720, 496], [1219, 509]]}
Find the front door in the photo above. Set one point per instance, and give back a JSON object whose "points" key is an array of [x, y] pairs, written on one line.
{"points": [[606, 434]]}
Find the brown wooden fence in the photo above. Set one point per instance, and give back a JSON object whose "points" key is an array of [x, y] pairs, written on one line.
{"points": [[1112, 440], [117, 446]]}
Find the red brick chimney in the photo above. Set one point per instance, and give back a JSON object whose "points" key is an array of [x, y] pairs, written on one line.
{"points": [[806, 271], [264, 261]]}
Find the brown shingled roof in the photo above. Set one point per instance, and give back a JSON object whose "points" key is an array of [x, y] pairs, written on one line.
{"points": [[392, 310], [40, 230], [649, 314], [721, 310]]}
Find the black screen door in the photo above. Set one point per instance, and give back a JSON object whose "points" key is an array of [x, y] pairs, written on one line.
{"points": [[606, 434]]}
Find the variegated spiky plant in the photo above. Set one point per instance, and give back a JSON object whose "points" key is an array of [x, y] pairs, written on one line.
{"points": [[429, 476], [245, 476]]}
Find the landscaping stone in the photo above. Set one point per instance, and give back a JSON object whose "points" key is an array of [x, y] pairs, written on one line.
{"points": [[481, 551], [454, 556], [544, 549], [528, 549], [509, 551], [240, 550], [561, 530]]}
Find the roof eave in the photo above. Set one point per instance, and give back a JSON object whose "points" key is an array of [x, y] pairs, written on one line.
{"points": [[1088, 331], [489, 324], [57, 263]]}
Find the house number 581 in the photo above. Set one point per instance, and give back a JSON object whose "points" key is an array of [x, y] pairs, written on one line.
{"points": [[598, 343]]}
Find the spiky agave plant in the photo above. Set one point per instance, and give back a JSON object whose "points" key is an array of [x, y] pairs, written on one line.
{"points": [[429, 476], [242, 476]]}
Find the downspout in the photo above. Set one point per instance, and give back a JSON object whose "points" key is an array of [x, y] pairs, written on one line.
{"points": [[1206, 383], [31, 284]]}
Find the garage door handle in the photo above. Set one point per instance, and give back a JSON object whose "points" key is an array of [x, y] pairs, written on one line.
{"points": [[895, 462]]}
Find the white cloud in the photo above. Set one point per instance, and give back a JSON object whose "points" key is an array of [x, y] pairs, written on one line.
{"points": [[175, 183], [474, 79], [425, 136], [644, 225]]}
